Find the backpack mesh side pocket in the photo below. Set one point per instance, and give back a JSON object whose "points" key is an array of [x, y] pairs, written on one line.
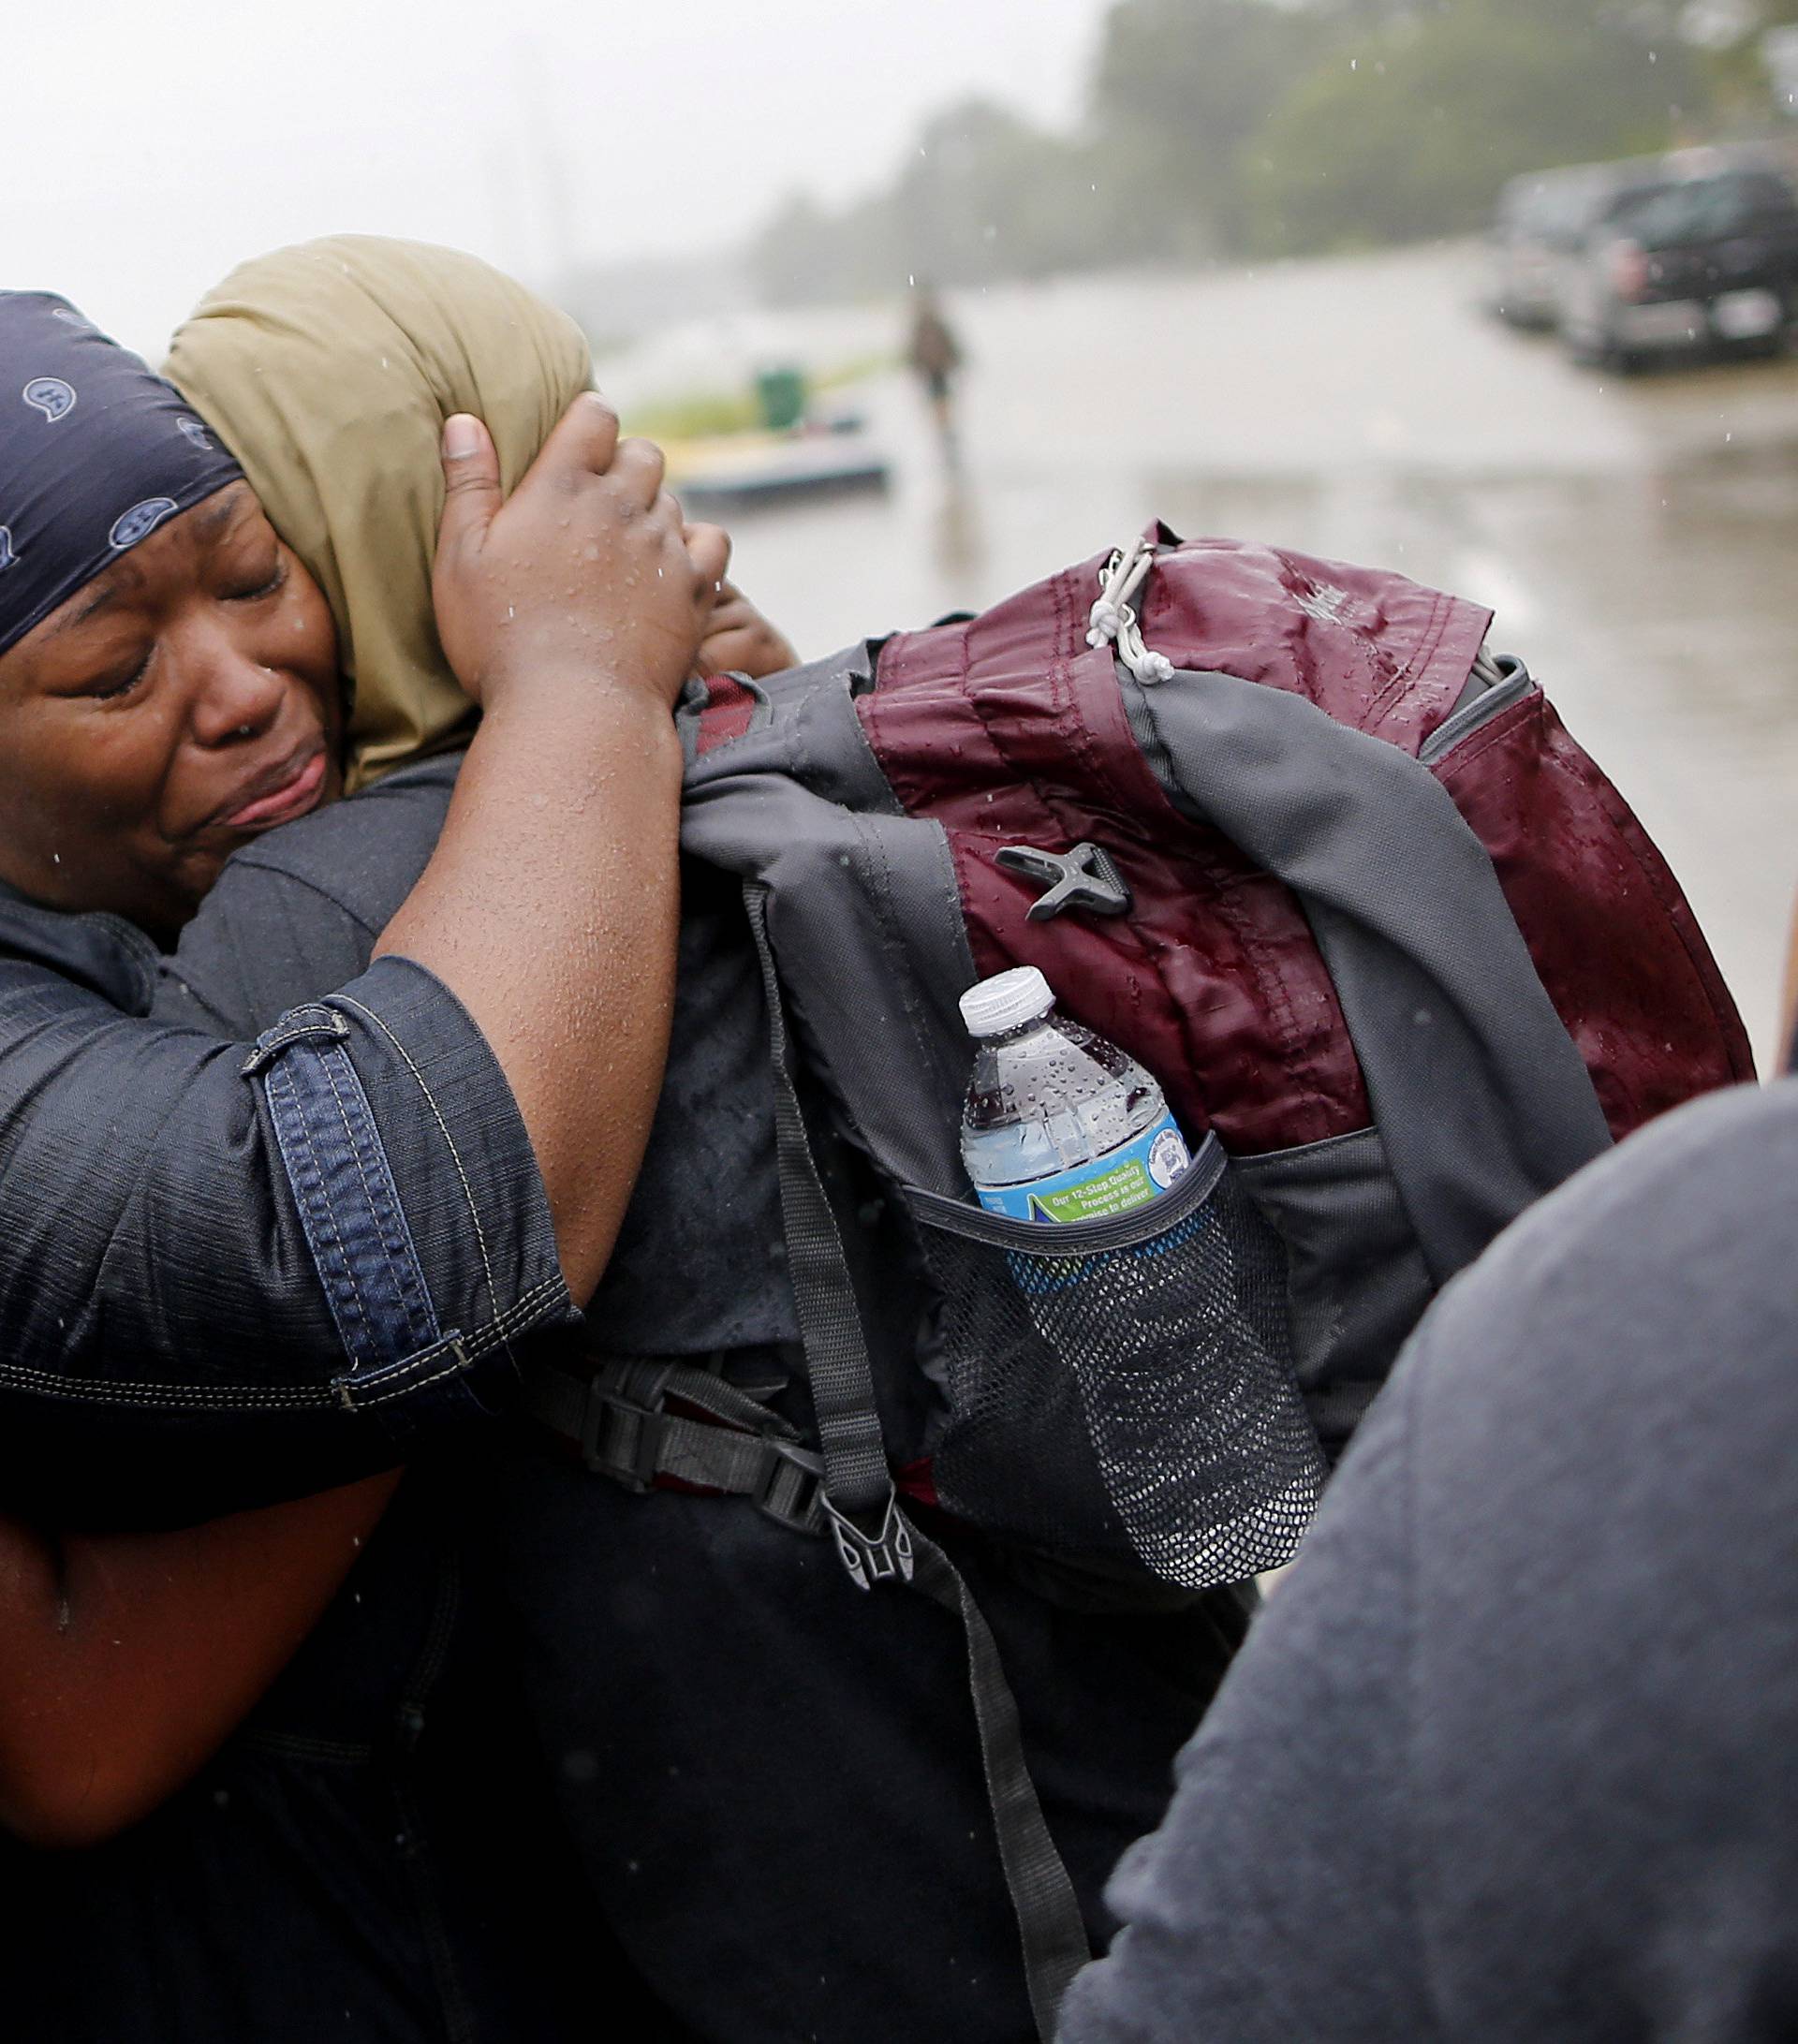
{"points": [[1122, 1391]]}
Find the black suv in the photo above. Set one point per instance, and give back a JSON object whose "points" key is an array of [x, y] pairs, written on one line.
{"points": [[1708, 259]]}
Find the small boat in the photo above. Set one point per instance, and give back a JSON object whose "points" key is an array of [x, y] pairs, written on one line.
{"points": [[729, 471]]}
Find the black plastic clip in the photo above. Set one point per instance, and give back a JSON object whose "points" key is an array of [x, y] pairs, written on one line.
{"points": [[791, 1491], [1087, 877], [622, 1438], [884, 1557]]}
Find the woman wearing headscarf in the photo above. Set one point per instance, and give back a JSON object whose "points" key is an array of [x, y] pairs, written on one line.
{"points": [[722, 1727], [169, 691], [774, 1787], [236, 1273]]}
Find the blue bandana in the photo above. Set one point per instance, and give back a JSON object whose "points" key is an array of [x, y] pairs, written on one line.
{"points": [[94, 454]]}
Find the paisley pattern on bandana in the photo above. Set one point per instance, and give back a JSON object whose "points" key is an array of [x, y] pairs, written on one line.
{"points": [[96, 454], [140, 522], [51, 396]]}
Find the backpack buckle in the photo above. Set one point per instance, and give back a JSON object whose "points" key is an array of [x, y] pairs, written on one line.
{"points": [[791, 1489], [1086, 877], [622, 1438], [882, 1557]]}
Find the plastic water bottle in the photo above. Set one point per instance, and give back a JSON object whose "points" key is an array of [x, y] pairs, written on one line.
{"points": [[1059, 1125]]}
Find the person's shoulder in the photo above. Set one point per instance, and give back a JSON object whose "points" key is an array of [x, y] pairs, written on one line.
{"points": [[1717, 1160], [295, 913], [361, 856], [399, 813], [1669, 1253]]}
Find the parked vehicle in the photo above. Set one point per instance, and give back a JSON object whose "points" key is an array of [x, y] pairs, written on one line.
{"points": [[1539, 223], [1704, 256]]}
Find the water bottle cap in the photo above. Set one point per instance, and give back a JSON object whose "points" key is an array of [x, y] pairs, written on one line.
{"points": [[1006, 1001]]}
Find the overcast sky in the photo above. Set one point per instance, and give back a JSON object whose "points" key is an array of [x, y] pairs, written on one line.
{"points": [[149, 148]]}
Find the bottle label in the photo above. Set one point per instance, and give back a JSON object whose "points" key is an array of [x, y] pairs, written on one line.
{"points": [[1130, 1176]]}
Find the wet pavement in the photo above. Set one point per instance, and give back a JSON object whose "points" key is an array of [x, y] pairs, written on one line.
{"points": [[1638, 539]]}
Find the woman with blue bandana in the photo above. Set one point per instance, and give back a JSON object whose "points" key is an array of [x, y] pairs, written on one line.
{"points": [[716, 1723], [277, 1261]]}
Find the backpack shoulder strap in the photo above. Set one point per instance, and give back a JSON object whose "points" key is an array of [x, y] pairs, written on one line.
{"points": [[878, 1543], [1482, 1100]]}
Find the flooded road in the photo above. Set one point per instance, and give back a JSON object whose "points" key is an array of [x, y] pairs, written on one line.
{"points": [[1638, 539]]}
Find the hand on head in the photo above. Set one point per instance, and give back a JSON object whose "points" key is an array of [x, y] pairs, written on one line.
{"points": [[585, 574], [740, 640]]}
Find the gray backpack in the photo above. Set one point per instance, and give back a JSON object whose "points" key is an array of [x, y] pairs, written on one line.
{"points": [[1397, 952]]}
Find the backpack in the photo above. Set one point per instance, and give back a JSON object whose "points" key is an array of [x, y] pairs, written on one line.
{"points": [[1400, 956]]}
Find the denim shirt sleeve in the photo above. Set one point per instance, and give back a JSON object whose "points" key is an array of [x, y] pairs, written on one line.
{"points": [[230, 1274]]}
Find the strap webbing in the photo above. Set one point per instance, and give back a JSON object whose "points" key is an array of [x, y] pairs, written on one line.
{"points": [[618, 1419], [856, 1477], [1050, 1925], [1482, 1100]]}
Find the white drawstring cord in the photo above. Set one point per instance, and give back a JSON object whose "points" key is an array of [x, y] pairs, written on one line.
{"points": [[1113, 620], [1118, 582], [1148, 666]]}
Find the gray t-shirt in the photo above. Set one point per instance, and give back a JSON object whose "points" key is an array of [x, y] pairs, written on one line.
{"points": [[1513, 1752]]}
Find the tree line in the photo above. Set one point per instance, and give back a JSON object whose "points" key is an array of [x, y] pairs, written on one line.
{"points": [[1220, 128]]}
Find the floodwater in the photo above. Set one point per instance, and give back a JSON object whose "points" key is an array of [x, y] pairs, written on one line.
{"points": [[1637, 538]]}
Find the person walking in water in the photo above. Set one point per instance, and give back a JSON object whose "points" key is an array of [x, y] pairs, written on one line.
{"points": [[933, 356]]}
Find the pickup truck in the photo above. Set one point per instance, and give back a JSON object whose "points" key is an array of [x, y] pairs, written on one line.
{"points": [[1707, 261]]}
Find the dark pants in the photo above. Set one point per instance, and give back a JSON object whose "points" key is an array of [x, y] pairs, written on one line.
{"points": [[772, 1777], [372, 1858]]}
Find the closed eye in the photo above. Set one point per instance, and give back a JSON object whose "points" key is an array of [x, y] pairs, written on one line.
{"points": [[262, 588], [110, 691]]}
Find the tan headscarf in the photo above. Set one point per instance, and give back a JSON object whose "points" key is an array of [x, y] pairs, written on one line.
{"points": [[327, 370]]}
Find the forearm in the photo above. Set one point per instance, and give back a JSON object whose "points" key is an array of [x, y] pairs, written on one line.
{"points": [[124, 1661], [569, 813]]}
